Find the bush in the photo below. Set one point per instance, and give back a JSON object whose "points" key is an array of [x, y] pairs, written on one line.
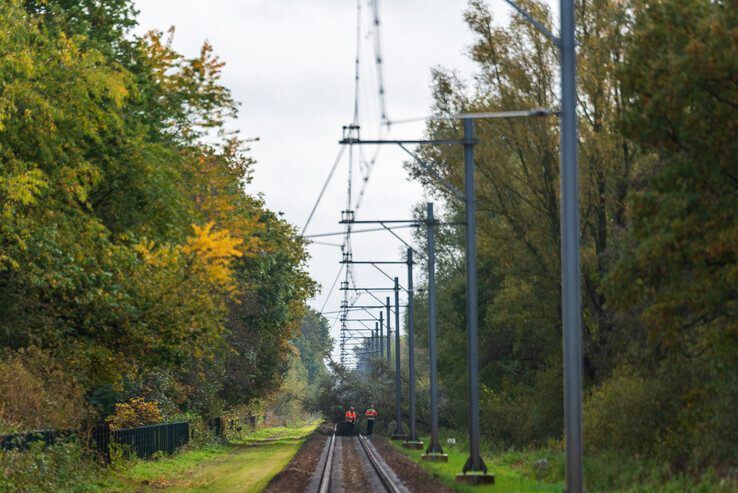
{"points": [[38, 393], [201, 434], [524, 416], [58, 468], [623, 414], [135, 412]]}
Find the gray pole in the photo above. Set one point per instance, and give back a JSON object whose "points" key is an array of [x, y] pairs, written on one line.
{"points": [[398, 374], [411, 344], [571, 301], [474, 462], [375, 338], [434, 447], [381, 335], [389, 335]]}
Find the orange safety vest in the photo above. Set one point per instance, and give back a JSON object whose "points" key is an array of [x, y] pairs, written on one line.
{"points": [[350, 416], [371, 413]]}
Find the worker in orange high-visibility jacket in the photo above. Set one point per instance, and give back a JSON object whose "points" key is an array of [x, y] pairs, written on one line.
{"points": [[371, 415], [350, 418]]}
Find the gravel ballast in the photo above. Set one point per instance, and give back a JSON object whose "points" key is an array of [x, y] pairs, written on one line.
{"points": [[412, 475]]}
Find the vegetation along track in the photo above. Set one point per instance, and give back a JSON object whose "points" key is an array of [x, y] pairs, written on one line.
{"points": [[381, 471]]}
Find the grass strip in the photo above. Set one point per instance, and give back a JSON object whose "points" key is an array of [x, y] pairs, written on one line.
{"points": [[245, 465], [507, 479]]}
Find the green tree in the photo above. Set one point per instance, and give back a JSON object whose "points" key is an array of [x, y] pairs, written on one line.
{"points": [[129, 250], [263, 320], [518, 202], [314, 344], [678, 272]]}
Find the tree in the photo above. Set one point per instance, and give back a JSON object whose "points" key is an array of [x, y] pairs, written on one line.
{"points": [[129, 251], [677, 273], [263, 320], [517, 165], [314, 344]]}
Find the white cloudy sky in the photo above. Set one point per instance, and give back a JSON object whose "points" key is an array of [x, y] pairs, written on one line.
{"points": [[291, 65]]}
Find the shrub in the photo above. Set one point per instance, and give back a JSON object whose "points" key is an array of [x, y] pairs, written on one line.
{"points": [[201, 434], [521, 416], [58, 468], [135, 412], [38, 393], [623, 414]]}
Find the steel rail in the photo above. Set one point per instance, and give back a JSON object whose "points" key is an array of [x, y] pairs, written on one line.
{"points": [[382, 473], [325, 478]]}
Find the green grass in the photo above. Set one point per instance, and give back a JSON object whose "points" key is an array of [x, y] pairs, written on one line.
{"points": [[507, 478], [247, 464], [274, 433], [604, 471]]}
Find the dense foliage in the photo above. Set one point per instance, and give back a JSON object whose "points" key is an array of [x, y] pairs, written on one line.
{"points": [[314, 344], [659, 229], [312, 348], [134, 413], [658, 96], [679, 276], [130, 254]]}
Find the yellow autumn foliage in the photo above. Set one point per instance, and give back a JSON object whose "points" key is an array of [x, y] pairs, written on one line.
{"points": [[22, 188], [213, 251], [136, 412]]}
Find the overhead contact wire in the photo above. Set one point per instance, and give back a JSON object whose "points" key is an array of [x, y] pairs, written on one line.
{"points": [[379, 61]]}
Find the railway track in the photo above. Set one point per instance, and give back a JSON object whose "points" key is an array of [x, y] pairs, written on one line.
{"points": [[384, 476], [325, 477], [379, 466]]}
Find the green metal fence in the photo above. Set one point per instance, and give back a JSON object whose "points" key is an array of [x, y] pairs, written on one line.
{"points": [[143, 441], [147, 440]]}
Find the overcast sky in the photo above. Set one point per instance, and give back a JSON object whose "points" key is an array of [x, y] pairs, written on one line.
{"points": [[290, 63]]}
